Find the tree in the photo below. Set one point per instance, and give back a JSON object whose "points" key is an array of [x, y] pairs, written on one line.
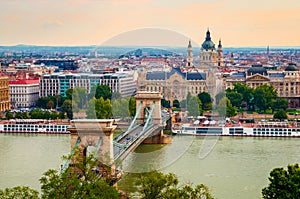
{"points": [[165, 103], [79, 97], [225, 108], [80, 180], [132, 106], [235, 98], [9, 115], [281, 115], [19, 192], [103, 91], [264, 95], [176, 104], [69, 93], [120, 108], [219, 96], [206, 100], [193, 107], [245, 91], [284, 184], [50, 104], [99, 108], [36, 114], [279, 104], [67, 108], [158, 185]]}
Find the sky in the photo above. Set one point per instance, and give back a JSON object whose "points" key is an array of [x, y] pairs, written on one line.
{"points": [[130, 22]]}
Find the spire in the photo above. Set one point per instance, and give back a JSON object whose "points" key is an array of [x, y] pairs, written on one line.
{"points": [[190, 44], [208, 38], [220, 44]]}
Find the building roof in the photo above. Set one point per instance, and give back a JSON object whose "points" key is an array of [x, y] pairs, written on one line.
{"points": [[257, 69], [238, 75], [25, 81], [276, 75], [161, 75], [208, 44], [291, 67]]}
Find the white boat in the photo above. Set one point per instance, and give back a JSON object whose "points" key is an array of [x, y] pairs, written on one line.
{"points": [[263, 130], [33, 126]]}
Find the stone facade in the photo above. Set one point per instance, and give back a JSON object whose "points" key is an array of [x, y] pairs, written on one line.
{"points": [[286, 83], [4, 94]]}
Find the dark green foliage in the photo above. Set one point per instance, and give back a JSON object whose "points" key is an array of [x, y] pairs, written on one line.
{"points": [[99, 109], [284, 184], [176, 104], [165, 186], [9, 115], [19, 192], [206, 100], [280, 104], [165, 103], [132, 106], [79, 181], [264, 95], [67, 108], [281, 115], [103, 91]]}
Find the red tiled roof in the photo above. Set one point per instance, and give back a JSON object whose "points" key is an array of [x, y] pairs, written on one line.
{"points": [[24, 81]]}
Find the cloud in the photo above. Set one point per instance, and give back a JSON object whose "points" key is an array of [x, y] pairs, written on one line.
{"points": [[53, 24]]}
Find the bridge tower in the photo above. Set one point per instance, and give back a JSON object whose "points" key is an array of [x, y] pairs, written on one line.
{"points": [[147, 99], [96, 134]]}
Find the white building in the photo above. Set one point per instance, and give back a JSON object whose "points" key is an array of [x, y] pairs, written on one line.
{"points": [[24, 92], [58, 83]]}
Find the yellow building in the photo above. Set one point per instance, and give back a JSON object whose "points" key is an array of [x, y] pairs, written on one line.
{"points": [[4, 94], [286, 83]]}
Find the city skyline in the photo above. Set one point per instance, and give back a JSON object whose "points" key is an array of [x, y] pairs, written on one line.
{"points": [[97, 22]]}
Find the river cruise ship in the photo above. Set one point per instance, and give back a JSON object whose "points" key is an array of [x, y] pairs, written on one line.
{"points": [[33, 126], [264, 129]]}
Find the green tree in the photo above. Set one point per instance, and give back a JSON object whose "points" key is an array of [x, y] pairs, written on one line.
{"points": [[220, 96], [225, 108], [120, 108], [80, 180], [280, 115], [69, 93], [206, 100], [36, 114], [235, 98], [132, 106], [19, 192], [176, 103], [50, 104], [245, 91], [99, 108], [165, 103], [9, 115], [284, 184], [193, 106], [67, 108], [264, 95], [103, 91], [279, 104], [158, 185], [79, 97]]}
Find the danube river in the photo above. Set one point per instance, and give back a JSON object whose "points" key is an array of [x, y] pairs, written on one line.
{"points": [[232, 167]]}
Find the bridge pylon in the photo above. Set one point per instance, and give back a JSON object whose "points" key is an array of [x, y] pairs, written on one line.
{"points": [[95, 135], [147, 99]]}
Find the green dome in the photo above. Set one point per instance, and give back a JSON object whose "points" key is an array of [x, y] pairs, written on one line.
{"points": [[291, 67], [208, 44]]}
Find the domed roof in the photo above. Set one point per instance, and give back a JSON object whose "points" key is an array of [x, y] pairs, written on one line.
{"points": [[208, 44], [291, 67], [257, 69]]}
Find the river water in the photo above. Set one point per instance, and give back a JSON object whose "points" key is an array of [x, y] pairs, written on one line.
{"points": [[232, 167]]}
